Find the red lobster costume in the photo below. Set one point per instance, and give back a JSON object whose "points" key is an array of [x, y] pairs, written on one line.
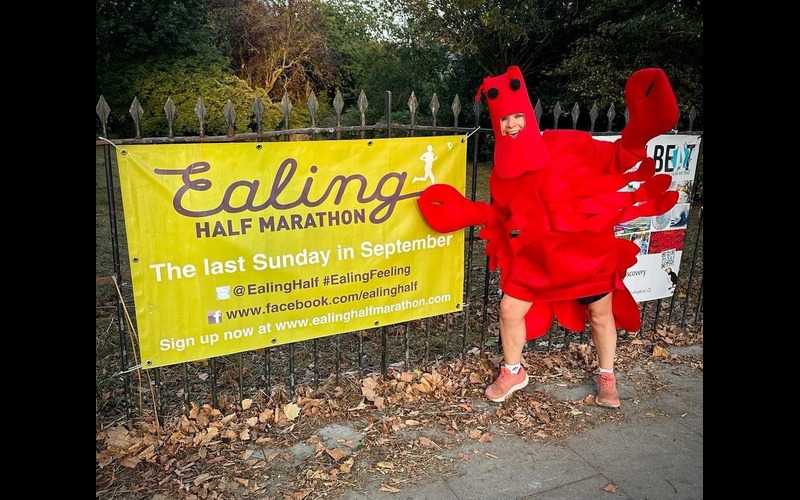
{"points": [[556, 197]]}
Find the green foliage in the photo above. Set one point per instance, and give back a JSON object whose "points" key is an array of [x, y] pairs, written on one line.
{"points": [[627, 35], [300, 115], [130, 29], [351, 28], [129, 33], [185, 82], [570, 52]]}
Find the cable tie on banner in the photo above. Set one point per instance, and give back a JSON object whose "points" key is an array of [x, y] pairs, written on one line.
{"points": [[129, 370], [470, 134], [104, 139]]}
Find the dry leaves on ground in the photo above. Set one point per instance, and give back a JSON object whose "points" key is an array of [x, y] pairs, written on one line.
{"points": [[401, 425]]}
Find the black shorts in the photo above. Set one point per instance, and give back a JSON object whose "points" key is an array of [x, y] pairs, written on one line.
{"points": [[594, 298]]}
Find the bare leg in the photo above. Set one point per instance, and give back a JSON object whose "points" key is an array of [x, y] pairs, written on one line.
{"points": [[512, 335], [604, 336], [512, 328], [604, 331]]}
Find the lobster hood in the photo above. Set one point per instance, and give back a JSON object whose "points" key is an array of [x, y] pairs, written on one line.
{"points": [[507, 94]]}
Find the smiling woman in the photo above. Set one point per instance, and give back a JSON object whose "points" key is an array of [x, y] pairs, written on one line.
{"points": [[512, 124]]}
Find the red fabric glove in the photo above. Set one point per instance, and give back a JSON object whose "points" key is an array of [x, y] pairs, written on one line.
{"points": [[601, 204], [652, 107], [445, 209], [651, 189]]}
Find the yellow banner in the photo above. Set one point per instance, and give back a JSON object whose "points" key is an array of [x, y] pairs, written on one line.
{"points": [[235, 247]]}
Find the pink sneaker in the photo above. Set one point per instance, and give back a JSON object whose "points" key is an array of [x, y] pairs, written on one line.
{"points": [[607, 391], [506, 384]]}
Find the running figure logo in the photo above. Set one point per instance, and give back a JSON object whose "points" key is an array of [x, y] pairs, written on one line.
{"points": [[428, 157]]}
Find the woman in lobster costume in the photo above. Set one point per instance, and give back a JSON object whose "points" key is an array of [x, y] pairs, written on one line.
{"points": [[555, 199]]}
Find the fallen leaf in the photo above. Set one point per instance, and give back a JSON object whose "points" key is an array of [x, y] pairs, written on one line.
{"points": [[130, 462], [246, 404], [424, 386], [368, 393], [118, 438], [660, 352], [368, 386], [202, 478], [425, 441], [390, 489], [103, 459], [610, 487], [320, 475], [361, 405], [336, 453], [301, 494], [385, 465], [291, 410]]}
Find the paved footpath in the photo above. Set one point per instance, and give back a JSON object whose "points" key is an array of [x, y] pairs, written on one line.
{"points": [[655, 453]]}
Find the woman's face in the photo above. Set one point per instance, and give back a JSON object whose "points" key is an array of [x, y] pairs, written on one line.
{"points": [[512, 124]]}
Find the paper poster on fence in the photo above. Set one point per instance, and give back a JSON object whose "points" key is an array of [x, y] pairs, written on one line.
{"points": [[661, 238], [235, 247]]}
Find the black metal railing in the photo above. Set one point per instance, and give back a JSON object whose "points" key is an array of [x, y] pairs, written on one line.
{"points": [[124, 391]]}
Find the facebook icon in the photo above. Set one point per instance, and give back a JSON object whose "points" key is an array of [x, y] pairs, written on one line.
{"points": [[214, 317]]}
